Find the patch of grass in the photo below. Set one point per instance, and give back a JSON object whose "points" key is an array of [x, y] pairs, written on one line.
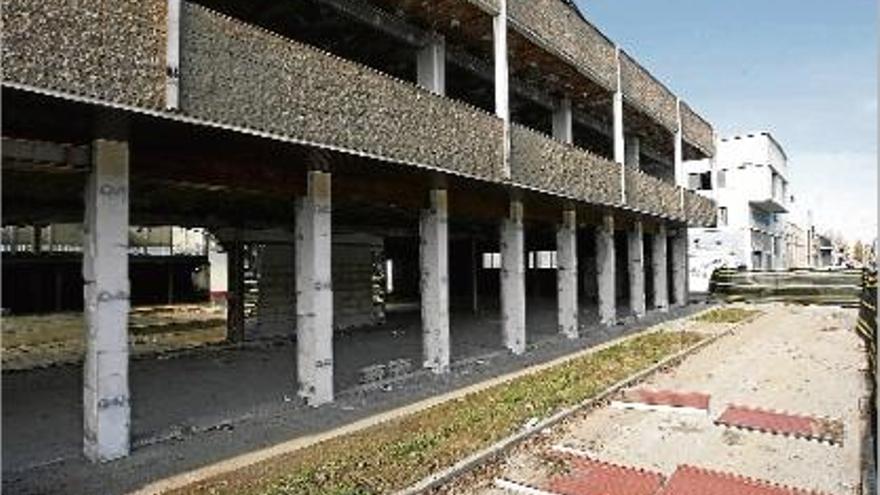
{"points": [[393, 455], [726, 315]]}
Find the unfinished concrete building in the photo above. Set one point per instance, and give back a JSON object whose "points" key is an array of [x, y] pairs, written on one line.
{"points": [[498, 167]]}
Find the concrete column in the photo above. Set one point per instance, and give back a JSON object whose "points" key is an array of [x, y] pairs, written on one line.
{"points": [[434, 256], [432, 66], [680, 176], [314, 291], [502, 82], [619, 147], [513, 280], [562, 128], [567, 274], [636, 263], [605, 271], [106, 406], [679, 267], [632, 152], [659, 263], [235, 291], [502, 88]]}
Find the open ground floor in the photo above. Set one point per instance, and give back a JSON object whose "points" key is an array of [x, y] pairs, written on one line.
{"points": [[206, 405]]}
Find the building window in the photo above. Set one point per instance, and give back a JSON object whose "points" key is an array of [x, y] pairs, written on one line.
{"points": [[491, 261], [722, 216], [700, 182], [722, 179]]}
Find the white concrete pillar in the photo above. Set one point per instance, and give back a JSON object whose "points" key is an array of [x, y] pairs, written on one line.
{"points": [[562, 117], [636, 263], [567, 274], [679, 267], [432, 66], [106, 406], [314, 292], [633, 152], [619, 146], [678, 159], [434, 256], [605, 271], [502, 88], [513, 280], [659, 264], [502, 74], [172, 55]]}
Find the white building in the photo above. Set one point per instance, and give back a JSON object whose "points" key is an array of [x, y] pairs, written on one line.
{"points": [[749, 182]]}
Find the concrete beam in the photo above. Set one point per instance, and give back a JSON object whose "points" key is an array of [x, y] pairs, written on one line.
{"points": [[680, 267], [392, 25], [26, 152], [658, 269], [314, 291], [431, 66], [434, 258], [567, 274], [636, 264], [562, 118], [106, 403], [605, 271], [513, 280]]}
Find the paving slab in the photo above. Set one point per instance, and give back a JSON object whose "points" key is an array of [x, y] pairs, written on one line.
{"points": [[794, 358]]}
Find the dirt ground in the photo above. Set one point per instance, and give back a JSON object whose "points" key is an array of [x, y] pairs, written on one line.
{"points": [[800, 360]]}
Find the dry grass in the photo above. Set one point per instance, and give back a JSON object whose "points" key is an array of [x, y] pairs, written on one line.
{"points": [[41, 340], [726, 315], [393, 455]]}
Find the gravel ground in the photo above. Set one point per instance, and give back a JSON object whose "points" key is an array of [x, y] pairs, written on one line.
{"points": [[801, 360], [195, 410]]}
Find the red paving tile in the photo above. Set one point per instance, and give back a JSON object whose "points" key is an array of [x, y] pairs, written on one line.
{"points": [[588, 477], [781, 423], [689, 480], [668, 398]]}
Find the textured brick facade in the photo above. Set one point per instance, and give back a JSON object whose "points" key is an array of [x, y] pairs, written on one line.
{"points": [[696, 130], [238, 74], [651, 195], [647, 94], [114, 51], [541, 163], [700, 211], [559, 30]]}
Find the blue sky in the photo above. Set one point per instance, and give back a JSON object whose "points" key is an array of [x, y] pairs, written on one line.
{"points": [[806, 70]]}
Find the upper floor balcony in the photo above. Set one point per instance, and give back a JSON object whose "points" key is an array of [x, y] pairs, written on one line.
{"points": [[247, 78]]}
